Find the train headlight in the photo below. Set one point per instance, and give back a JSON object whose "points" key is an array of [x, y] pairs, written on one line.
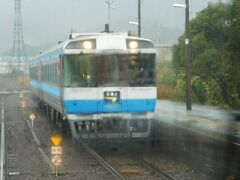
{"points": [[139, 44], [133, 44], [83, 44], [87, 45]]}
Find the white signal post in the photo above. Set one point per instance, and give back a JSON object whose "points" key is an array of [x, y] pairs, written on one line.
{"points": [[21, 95], [23, 103], [32, 117]]}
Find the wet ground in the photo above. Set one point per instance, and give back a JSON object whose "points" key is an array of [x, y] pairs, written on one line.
{"points": [[201, 144]]}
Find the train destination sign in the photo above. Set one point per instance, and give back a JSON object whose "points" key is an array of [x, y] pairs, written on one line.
{"points": [[112, 96]]}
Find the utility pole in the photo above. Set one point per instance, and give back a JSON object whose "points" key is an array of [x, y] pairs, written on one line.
{"points": [[109, 4], [187, 58], [139, 19]]}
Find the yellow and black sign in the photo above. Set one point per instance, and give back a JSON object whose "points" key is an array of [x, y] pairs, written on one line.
{"points": [[56, 139]]}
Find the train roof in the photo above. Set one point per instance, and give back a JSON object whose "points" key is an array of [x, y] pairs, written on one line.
{"points": [[79, 36]]}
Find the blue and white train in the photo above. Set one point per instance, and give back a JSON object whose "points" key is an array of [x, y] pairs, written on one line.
{"points": [[98, 84]]}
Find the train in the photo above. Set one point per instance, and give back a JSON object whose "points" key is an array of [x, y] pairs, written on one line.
{"points": [[97, 85]]}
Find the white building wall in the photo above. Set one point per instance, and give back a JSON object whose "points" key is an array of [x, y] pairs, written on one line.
{"points": [[7, 65]]}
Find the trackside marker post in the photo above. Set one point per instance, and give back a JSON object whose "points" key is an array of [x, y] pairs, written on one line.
{"points": [[32, 117], [56, 139], [56, 160], [56, 151], [21, 95], [23, 104]]}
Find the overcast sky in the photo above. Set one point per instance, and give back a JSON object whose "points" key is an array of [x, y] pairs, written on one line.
{"points": [[51, 20]]}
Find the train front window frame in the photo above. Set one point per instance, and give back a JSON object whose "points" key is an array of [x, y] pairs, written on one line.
{"points": [[112, 70], [79, 71]]}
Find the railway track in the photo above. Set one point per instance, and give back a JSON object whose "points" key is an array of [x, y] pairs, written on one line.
{"points": [[107, 166], [27, 149], [72, 168], [159, 172], [128, 167], [2, 149]]}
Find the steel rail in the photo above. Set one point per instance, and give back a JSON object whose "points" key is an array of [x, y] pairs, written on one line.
{"points": [[156, 170], [2, 177], [14, 92], [107, 166], [2, 155]]}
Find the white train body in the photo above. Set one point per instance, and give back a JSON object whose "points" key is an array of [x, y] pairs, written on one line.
{"points": [[95, 79]]}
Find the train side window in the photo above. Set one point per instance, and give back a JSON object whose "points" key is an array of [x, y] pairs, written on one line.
{"points": [[54, 67], [31, 73], [54, 75], [67, 75], [57, 74], [51, 74], [47, 73], [44, 73]]}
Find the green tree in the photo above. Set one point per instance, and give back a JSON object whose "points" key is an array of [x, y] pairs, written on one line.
{"points": [[215, 55]]}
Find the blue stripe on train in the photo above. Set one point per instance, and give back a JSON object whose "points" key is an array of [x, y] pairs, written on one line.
{"points": [[46, 88], [48, 57], [98, 106]]}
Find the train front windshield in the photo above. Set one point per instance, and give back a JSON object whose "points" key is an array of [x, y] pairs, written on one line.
{"points": [[109, 70]]}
